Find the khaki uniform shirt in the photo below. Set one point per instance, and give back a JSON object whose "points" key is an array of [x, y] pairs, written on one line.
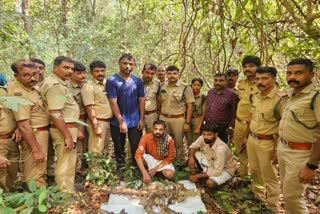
{"points": [[198, 104], [36, 112], [152, 90], [7, 121], [246, 90], [93, 93], [75, 89], [299, 105], [174, 98], [218, 155], [263, 120], [58, 97]]}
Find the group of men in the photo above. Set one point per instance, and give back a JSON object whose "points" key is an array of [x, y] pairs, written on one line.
{"points": [[266, 125]]}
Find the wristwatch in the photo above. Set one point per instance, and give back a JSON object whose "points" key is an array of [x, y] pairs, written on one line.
{"points": [[312, 166]]}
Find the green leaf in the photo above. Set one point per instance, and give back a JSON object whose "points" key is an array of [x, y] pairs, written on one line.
{"points": [[7, 210], [12, 102], [74, 120], [42, 196], [32, 185], [26, 211], [42, 208], [318, 199]]}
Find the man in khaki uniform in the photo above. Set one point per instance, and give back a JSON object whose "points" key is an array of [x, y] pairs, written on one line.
{"points": [[9, 138], [175, 104], [33, 122], [299, 130], [63, 110], [78, 79], [261, 138], [40, 67], [161, 74], [97, 107], [152, 89], [246, 89]]}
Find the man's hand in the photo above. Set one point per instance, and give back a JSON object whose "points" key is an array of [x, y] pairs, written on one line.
{"points": [[4, 162], [306, 175], [192, 163], [152, 171], [193, 178], [186, 127], [274, 157], [38, 156], [16, 136], [80, 135], [197, 130], [123, 127], [146, 178], [69, 143], [140, 125], [97, 130]]}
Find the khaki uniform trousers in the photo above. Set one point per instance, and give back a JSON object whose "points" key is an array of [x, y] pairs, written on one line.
{"points": [[191, 136], [149, 119], [98, 144], [66, 159], [32, 169], [265, 174], [291, 161], [10, 150], [243, 157], [82, 145], [175, 130]]}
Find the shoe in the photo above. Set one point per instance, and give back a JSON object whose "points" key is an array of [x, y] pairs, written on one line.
{"points": [[50, 180]]}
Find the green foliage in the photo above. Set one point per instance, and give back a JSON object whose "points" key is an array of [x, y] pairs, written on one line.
{"points": [[12, 102], [74, 120], [131, 173], [36, 200], [101, 169]]}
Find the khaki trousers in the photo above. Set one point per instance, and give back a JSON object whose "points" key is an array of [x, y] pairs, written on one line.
{"points": [[175, 130], [10, 150], [66, 159], [31, 168], [191, 136], [149, 119], [98, 144], [291, 161], [264, 172], [243, 157]]}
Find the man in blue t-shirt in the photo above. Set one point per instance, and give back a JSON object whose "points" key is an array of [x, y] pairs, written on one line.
{"points": [[3, 80], [126, 95]]}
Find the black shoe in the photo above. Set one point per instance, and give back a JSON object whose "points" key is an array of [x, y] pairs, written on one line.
{"points": [[50, 180]]}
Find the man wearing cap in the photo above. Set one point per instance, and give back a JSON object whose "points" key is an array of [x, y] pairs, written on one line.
{"points": [[175, 104], [63, 110], [33, 121]]}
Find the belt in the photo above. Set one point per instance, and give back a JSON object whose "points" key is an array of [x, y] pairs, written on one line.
{"points": [[173, 115], [261, 136], [83, 117], [45, 128], [195, 115], [299, 146], [68, 125], [6, 136], [150, 112], [242, 121], [104, 120]]}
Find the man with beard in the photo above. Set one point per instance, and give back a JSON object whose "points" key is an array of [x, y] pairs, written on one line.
{"points": [[232, 77], [97, 107], [210, 158], [261, 138], [221, 106], [246, 89], [175, 104], [63, 110], [126, 95], [155, 153], [161, 74], [77, 81], [299, 130], [33, 121], [152, 90]]}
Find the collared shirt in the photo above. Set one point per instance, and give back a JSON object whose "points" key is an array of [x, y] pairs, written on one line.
{"points": [[148, 145], [246, 90], [221, 108], [174, 98], [152, 90], [263, 120], [93, 93], [75, 89], [58, 97], [198, 104], [127, 93], [35, 112], [297, 108], [219, 156], [7, 121]]}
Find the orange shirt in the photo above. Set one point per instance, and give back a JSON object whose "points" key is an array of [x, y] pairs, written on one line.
{"points": [[149, 146]]}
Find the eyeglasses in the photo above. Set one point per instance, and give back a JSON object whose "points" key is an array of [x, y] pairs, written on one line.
{"points": [[28, 76]]}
